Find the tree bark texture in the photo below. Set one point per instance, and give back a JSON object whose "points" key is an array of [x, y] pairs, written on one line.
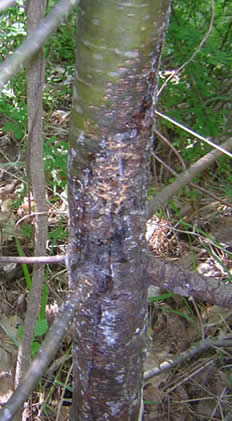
{"points": [[35, 174], [118, 51]]}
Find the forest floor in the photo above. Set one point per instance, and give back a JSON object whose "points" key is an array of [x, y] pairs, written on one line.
{"points": [[193, 232]]}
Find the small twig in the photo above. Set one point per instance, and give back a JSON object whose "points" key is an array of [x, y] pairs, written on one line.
{"points": [[218, 404], [195, 186], [162, 198], [162, 137], [59, 258], [195, 134], [218, 199], [63, 392], [29, 215], [190, 353], [185, 377]]}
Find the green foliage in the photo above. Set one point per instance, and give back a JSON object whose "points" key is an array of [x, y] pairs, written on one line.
{"points": [[161, 297], [166, 296], [60, 59], [41, 327], [55, 161], [58, 234], [151, 402], [24, 266], [12, 29], [13, 113], [179, 313], [200, 97]]}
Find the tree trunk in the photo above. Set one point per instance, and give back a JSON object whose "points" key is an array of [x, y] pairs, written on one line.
{"points": [[118, 51]]}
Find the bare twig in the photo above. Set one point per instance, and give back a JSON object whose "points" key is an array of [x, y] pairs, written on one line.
{"points": [[162, 198], [162, 137], [199, 318], [186, 355], [35, 260], [195, 186], [195, 134], [172, 277]]}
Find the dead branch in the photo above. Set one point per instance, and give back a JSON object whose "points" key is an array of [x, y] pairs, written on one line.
{"points": [[162, 198], [184, 282]]}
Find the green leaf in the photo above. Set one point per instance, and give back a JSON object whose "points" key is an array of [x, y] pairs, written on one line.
{"points": [[41, 327], [34, 348], [161, 297], [151, 403]]}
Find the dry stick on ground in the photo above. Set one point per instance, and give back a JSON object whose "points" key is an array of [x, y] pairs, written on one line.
{"points": [[35, 174], [162, 198], [35, 41], [47, 351]]}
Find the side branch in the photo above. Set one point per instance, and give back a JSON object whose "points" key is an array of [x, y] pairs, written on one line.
{"points": [[162, 198], [47, 351], [187, 355], [185, 282], [59, 258]]}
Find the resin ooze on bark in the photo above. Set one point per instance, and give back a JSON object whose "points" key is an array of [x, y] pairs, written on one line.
{"points": [[118, 50]]}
